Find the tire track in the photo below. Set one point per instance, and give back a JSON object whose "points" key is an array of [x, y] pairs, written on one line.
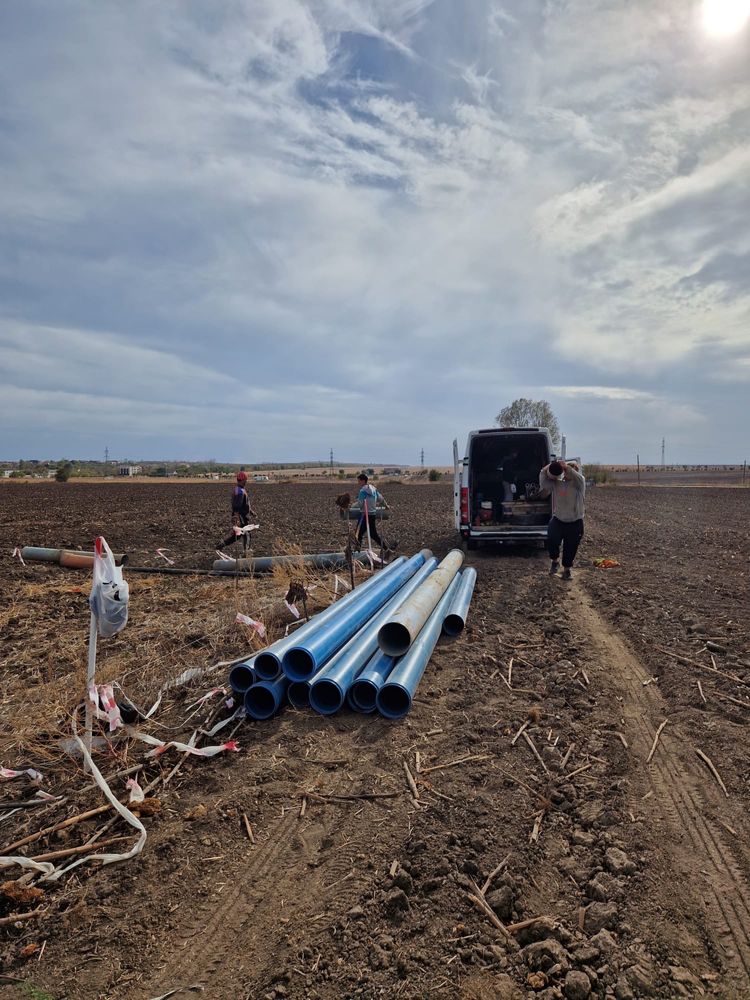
{"points": [[679, 792]]}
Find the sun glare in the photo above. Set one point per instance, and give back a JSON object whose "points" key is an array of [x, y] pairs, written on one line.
{"points": [[722, 18]]}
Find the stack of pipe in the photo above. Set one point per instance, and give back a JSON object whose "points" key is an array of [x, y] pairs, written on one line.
{"points": [[369, 649]]}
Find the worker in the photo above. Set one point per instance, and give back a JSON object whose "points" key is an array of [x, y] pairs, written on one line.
{"points": [[567, 487], [367, 501], [241, 512]]}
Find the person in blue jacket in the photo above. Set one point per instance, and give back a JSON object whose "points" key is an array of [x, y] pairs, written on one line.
{"points": [[367, 500]]}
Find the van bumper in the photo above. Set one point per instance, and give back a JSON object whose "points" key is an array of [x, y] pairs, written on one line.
{"points": [[514, 535]]}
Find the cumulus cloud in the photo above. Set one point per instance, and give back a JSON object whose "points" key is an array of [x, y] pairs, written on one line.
{"points": [[302, 213]]}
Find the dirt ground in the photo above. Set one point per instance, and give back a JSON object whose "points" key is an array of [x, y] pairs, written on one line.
{"points": [[301, 866]]}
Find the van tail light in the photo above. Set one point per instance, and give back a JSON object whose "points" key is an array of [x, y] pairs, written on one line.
{"points": [[464, 504]]}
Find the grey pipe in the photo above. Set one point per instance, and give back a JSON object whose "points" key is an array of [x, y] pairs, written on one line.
{"points": [[400, 631], [454, 621], [72, 558], [265, 564]]}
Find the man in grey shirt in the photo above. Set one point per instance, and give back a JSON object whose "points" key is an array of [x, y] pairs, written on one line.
{"points": [[568, 489]]}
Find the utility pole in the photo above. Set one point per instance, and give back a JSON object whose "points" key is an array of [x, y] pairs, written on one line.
{"points": [[331, 462], [638, 463], [421, 457], [663, 443], [744, 471], [106, 456]]}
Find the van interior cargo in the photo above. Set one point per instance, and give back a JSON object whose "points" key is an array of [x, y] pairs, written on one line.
{"points": [[504, 483]]}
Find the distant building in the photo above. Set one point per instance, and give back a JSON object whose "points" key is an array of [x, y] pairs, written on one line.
{"points": [[261, 479], [7, 473], [391, 471], [129, 470]]}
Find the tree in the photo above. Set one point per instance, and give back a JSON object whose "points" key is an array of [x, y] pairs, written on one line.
{"points": [[434, 475], [530, 413], [64, 471]]}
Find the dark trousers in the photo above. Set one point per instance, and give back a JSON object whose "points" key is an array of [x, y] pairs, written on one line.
{"points": [[233, 538], [362, 530], [565, 533]]}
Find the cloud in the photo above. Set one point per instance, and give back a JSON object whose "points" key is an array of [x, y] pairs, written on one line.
{"points": [[323, 216]]}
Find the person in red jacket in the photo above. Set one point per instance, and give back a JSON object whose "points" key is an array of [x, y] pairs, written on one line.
{"points": [[241, 512]]}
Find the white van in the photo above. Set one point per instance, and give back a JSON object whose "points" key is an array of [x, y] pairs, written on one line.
{"points": [[496, 486]]}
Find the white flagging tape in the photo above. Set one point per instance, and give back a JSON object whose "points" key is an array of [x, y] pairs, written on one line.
{"points": [[224, 722], [17, 553], [207, 697], [8, 860], [161, 747], [136, 792], [340, 583], [104, 694], [127, 815], [292, 609], [160, 553], [8, 772], [259, 627]]}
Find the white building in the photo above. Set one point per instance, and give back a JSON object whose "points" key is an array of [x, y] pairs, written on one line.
{"points": [[129, 470]]}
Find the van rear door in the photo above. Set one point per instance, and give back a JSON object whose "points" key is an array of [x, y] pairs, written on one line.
{"points": [[456, 485]]}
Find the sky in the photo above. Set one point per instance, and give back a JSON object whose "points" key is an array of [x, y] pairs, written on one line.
{"points": [[255, 230]]}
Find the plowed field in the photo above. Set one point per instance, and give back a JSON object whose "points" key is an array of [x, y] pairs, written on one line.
{"points": [[557, 847]]}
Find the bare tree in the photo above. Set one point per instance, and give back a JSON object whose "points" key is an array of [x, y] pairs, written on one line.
{"points": [[530, 413]]}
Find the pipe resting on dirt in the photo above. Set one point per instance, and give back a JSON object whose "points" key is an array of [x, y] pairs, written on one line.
{"points": [[394, 699], [268, 661], [242, 677], [329, 687], [264, 698], [71, 558], [455, 620], [310, 653], [265, 564], [400, 631]]}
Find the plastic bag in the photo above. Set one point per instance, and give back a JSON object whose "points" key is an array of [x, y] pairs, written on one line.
{"points": [[108, 599]]}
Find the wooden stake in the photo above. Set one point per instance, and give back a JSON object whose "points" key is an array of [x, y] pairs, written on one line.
{"points": [[707, 760], [248, 828], [534, 750], [656, 740], [411, 782]]}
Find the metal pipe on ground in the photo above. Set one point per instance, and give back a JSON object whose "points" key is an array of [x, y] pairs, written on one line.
{"points": [[455, 620], [394, 698], [310, 653], [264, 698], [268, 660], [242, 676], [265, 564], [70, 558], [397, 634], [362, 695], [329, 687]]}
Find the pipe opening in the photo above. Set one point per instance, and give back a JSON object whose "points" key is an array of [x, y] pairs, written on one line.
{"points": [[267, 666], [298, 693], [453, 625], [326, 697], [241, 678], [394, 638], [298, 664], [260, 703], [363, 695], [393, 701]]}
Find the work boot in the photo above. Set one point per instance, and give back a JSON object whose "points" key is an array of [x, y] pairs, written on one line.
{"points": [[554, 566], [566, 574]]}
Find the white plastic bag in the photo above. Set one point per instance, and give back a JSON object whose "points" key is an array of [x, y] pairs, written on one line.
{"points": [[108, 599]]}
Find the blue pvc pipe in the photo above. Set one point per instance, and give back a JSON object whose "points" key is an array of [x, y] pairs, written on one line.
{"points": [[242, 676], [264, 698], [306, 657], [298, 694], [395, 696], [363, 693], [456, 618], [268, 661], [329, 687]]}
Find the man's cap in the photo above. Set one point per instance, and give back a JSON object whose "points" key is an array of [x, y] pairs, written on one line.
{"points": [[242, 477]]}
